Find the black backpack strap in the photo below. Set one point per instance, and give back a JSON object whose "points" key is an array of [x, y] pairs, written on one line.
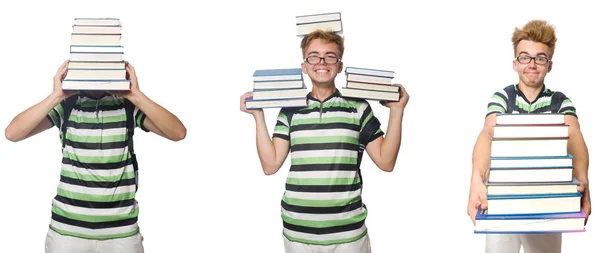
{"points": [[68, 106], [511, 96], [130, 125], [555, 102]]}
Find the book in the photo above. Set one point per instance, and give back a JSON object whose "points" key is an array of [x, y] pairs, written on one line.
{"points": [[368, 79], [278, 94], [96, 65], [95, 85], [531, 162], [533, 204], [370, 94], [528, 119], [374, 87], [512, 188], [97, 49], [529, 224], [315, 18], [96, 57], [531, 131], [96, 22], [530, 175], [291, 74], [88, 29], [269, 85], [306, 24], [96, 74], [509, 147], [80, 39], [277, 103], [370, 72]]}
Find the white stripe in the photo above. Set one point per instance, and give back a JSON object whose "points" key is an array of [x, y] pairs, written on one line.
{"points": [[326, 153], [361, 109], [325, 237], [498, 101], [97, 152], [100, 173], [94, 211], [96, 191], [93, 115], [94, 232], [98, 132], [322, 174], [325, 132], [318, 114], [322, 195], [284, 121], [323, 217]]}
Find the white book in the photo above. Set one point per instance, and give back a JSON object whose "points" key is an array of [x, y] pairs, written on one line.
{"points": [[370, 94], [318, 18], [530, 131], [96, 74], [369, 79], [375, 87], [256, 104], [95, 85], [96, 65], [370, 72], [97, 49], [279, 85], [95, 39], [532, 188], [530, 119], [529, 147], [333, 26], [97, 21], [531, 175], [97, 57], [531, 162], [534, 204], [278, 94], [97, 29]]}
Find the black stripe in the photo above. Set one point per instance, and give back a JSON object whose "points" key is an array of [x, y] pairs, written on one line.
{"points": [[354, 127], [104, 108], [322, 188], [97, 166], [496, 104], [502, 96], [321, 210], [96, 146], [567, 108], [285, 137], [92, 184], [325, 146], [93, 204], [325, 230], [365, 114], [111, 125], [93, 225], [323, 167], [540, 110]]}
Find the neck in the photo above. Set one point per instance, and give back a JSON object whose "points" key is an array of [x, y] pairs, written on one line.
{"points": [[322, 91], [530, 92]]}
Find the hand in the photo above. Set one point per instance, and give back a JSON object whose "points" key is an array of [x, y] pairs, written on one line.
{"points": [[401, 104], [60, 75], [477, 198], [134, 87], [254, 112], [586, 201]]}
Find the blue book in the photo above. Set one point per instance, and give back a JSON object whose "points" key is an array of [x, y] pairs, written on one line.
{"points": [[277, 74], [534, 203], [531, 162], [370, 72], [529, 224], [532, 188], [531, 175]]}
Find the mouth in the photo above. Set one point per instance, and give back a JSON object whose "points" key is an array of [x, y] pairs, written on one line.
{"points": [[322, 70]]}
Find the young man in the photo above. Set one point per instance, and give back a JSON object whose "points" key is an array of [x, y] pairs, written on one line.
{"points": [[95, 208], [322, 209], [533, 48]]}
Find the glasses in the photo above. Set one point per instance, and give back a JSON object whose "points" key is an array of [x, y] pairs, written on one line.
{"points": [[526, 59], [316, 59]]}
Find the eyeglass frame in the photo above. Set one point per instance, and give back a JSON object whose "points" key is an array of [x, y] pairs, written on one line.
{"points": [[532, 58], [322, 59]]}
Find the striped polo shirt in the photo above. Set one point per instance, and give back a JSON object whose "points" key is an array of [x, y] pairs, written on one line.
{"points": [[96, 193], [322, 202], [543, 103]]}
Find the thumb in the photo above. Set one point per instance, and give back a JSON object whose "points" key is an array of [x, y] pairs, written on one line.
{"points": [[484, 203]]}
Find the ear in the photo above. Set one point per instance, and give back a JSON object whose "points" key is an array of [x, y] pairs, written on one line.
{"points": [[340, 67], [549, 66], [303, 66], [515, 66]]}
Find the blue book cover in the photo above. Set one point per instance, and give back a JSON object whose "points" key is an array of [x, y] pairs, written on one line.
{"points": [[529, 223], [534, 196], [370, 72], [277, 72]]}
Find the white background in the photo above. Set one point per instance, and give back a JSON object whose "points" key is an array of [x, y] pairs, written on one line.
{"points": [[207, 193]]}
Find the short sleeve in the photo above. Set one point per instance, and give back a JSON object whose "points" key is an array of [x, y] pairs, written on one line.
{"points": [[497, 103], [370, 128], [56, 115], [139, 117], [566, 105], [282, 127]]}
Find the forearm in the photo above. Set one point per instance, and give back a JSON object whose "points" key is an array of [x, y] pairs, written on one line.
{"points": [[578, 149], [166, 122], [391, 143], [265, 147], [24, 123], [481, 157]]}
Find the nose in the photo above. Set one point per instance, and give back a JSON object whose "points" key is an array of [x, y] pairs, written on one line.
{"points": [[532, 64]]}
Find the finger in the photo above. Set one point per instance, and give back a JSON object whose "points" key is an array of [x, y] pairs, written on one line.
{"points": [[484, 204], [580, 188], [66, 63]]}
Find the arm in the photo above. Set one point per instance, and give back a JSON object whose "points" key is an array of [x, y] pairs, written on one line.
{"points": [[480, 167], [384, 150], [158, 119], [578, 149], [33, 120]]}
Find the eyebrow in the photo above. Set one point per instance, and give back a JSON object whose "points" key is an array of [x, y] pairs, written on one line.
{"points": [[523, 52], [326, 53]]}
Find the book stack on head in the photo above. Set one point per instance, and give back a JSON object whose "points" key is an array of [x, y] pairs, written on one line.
{"points": [[305, 24], [531, 188], [96, 59]]}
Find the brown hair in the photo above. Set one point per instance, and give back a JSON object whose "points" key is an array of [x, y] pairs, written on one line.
{"points": [[327, 36], [537, 31]]}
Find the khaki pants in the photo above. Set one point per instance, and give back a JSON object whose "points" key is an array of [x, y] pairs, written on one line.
{"points": [[532, 243], [57, 243], [363, 245]]}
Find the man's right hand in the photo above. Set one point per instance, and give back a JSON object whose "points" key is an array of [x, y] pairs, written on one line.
{"points": [[60, 75], [477, 198], [254, 112]]}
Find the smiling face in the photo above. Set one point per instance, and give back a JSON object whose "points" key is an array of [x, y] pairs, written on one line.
{"points": [[321, 73], [532, 74]]}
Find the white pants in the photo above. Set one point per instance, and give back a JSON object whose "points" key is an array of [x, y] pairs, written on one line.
{"points": [[532, 243], [57, 243], [362, 245]]}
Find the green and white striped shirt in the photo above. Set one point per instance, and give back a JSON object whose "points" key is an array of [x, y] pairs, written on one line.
{"points": [[96, 193], [322, 203], [543, 103]]}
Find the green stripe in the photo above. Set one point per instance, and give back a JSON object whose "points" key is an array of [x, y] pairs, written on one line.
{"points": [[366, 120], [283, 117], [96, 139], [326, 120], [323, 181], [493, 108], [96, 237], [95, 178], [99, 119], [139, 118], [540, 104], [54, 117], [331, 242], [100, 103], [96, 159], [324, 139], [325, 223], [93, 218], [283, 129], [96, 198], [320, 203], [325, 160]]}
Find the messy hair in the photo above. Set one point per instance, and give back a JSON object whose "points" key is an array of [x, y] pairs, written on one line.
{"points": [[537, 31], [327, 36]]}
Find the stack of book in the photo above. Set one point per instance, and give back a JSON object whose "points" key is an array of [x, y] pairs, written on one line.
{"points": [[531, 188], [277, 88], [96, 56], [370, 84], [326, 21]]}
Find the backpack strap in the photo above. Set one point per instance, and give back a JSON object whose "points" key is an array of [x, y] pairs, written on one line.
{"points": [[130, 125], [511, 96], [555, 102], [68, 106]]}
